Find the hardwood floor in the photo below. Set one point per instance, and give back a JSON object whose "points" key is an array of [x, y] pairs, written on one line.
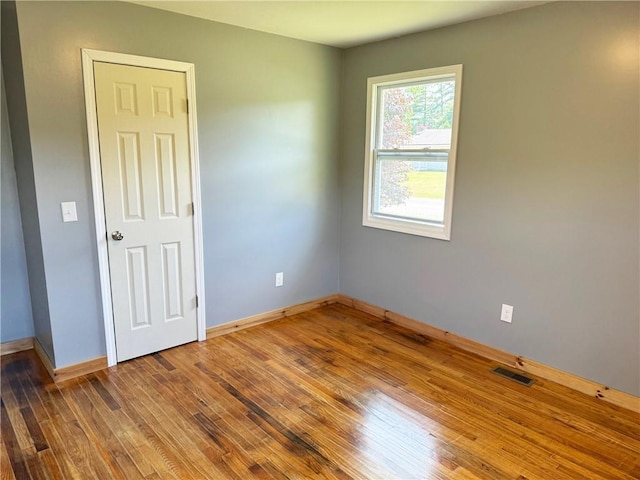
{"points": [[331, 393]]}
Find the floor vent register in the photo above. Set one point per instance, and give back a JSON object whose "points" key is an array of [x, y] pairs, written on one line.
{"points": [[516, 377]]}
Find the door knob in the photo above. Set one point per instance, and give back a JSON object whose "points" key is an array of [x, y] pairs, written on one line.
{"points": [[117, 235]]}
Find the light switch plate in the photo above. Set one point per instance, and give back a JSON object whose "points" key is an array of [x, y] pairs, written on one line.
{"points": [[506, 314], [69, 212]]}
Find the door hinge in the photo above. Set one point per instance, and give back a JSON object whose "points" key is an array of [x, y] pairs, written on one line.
{"points": [[187, 106], [197, 301], [193, 208]]}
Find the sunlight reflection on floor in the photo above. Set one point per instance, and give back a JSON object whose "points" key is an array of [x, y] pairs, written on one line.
{"points": [[393, 436]]}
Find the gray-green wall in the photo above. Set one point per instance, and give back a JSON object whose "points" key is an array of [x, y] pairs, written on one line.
{"points": [[15, 304], [268, 112], [546, 209], [27, 194]]}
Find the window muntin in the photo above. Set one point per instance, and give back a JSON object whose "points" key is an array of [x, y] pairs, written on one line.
{"points": [[411, 138]]}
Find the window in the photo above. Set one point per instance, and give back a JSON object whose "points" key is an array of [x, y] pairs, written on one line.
{"points": [[412, 130]]}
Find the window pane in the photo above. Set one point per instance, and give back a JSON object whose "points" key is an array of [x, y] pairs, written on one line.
{"points": [[417, 116], [412, 190]]}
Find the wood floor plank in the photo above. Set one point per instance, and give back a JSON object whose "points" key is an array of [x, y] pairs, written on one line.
{"points": [[620, 453], [224, 454], [159, 428], [321, 435], [264, 446], [213, 457], [324, 425], [141, 448], [50, 465], [95, 422], [62, 452], [331, 393], [10, 442], [373, 440], [6, 470], [34, 465], [288, 438]]}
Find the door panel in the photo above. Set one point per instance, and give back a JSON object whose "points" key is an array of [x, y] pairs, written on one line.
{"points": [[130, 176], [171, 275], [146, 175], [138, 282], [166, 164]]}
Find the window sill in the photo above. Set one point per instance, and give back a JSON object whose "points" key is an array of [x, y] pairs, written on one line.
{"points": [[423, 229]]}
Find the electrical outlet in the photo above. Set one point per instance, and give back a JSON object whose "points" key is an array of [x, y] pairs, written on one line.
{"points": [[279, 279], [507, 313]]}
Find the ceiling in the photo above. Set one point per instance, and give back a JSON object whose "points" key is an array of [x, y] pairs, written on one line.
{"points": [[340, 23]]}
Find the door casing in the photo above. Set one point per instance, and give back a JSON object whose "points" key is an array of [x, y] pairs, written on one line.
{"points": [[88, 57]]}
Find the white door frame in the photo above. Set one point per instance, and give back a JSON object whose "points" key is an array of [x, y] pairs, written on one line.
{"points": [[88, 57]]}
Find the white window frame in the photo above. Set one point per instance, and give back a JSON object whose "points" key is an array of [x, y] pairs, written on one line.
{"points": [[410, 226]]}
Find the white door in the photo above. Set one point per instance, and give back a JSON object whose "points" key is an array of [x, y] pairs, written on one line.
{"points": [[144, 152]]}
